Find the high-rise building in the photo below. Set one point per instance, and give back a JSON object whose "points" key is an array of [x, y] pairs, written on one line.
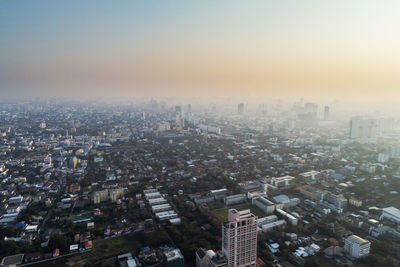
{"points": [[310, 108], [326, 113], [178, 109], [188, 114], [241, 109], [179, 120], [239, 238], [361, 128], [386, 125]]}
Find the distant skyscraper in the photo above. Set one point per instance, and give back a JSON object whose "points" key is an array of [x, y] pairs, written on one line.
{"points": [[326, 113], [363, 128], [241, 109], [310, 108], [239, 238], [178, 109], [179, 120], [386, 125], [189, 112], [307, 117]]}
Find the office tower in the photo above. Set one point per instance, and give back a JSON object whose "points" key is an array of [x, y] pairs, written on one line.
{"points": [[178, 109], [144, 115], [190, 108], [42, 125], [326, 113], [239, 238], [361, 128], [241, 109]]}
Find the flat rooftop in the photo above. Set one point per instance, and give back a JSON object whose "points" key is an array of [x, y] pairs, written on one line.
{"points": [[392, 211]]}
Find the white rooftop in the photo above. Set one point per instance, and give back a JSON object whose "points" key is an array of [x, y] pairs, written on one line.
{"points": [[357, 239], [392, 211]]}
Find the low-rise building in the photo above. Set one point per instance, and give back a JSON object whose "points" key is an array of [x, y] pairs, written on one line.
{"points": [[391, 213], [311, 177], [235, 199], [266, 205], [12, 260], [273, 225], [356, 246], [291, 219], [100, 196], [173, 258], [283, 181]]}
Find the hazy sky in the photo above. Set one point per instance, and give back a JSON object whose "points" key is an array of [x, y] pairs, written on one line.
{"points": [[263, 48]]}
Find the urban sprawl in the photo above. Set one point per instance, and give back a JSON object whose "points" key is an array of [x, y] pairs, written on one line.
{"points": [[168, 183]]}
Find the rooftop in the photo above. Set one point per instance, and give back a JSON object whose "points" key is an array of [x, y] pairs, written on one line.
{"points": [[173, 255], [12, 260], [357, 239], [392, 211]]}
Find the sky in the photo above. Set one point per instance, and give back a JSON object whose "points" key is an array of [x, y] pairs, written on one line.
{"points": [[288, 49]]}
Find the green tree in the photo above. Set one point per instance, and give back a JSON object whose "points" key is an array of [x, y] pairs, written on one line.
{"points": [[59, 241]]}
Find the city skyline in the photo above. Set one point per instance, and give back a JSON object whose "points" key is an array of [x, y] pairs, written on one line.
{"points": [[199, 133]]}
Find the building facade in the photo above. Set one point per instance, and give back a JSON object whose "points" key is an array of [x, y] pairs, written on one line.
{"points": [[391, 213], [362, 128], [356, 246], [239, 238]]}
